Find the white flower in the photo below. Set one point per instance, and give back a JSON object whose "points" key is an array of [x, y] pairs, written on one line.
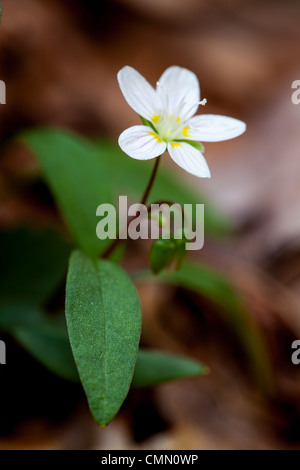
{"points": [[167, 114]]}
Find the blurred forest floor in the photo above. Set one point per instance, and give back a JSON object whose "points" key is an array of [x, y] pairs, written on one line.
{"points": [[59, 61]]}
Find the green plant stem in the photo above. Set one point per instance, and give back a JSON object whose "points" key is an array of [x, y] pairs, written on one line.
{"points": [[115, 243], [151, 181]]}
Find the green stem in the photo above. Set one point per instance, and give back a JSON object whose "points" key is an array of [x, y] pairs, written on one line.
{"points": [[151, 181], [115, 243]]}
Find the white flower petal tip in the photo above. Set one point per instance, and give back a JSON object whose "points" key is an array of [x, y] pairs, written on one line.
{"points": [[189, 158], [138, 93], [179, 91], [214, 128], [141, 143]]}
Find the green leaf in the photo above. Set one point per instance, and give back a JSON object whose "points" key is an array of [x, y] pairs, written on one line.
{"points": [[131, 176], [50, 346], [16, 315], [33, 263], [181, 252], [45, 338], [104, 323], [147, 123], [212, 285], [78, 179], [153, 368], [83, 175], [197, 145], [162, 253]]}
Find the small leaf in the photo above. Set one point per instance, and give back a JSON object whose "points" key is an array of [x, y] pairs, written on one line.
{"points": [[130, 177], [34, 262], [147, 123], [198, 145], [153, 368], [104, 323], [82, 175], [181, 253], [50, 346], [161, 254], [45, 338], [78, 179]]}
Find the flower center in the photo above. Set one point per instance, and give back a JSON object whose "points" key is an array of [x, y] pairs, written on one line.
{"points": [[169, 127], [172, 126]]}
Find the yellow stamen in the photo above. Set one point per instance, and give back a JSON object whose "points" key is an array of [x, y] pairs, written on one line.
{"points": [[185, 131], [178, 119], [155, 136], [155, 118], [175, 144]]}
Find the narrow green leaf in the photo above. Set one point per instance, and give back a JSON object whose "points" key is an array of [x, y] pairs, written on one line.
{"points": [[33, 263], [147, 123], [78, 179], [162, 253], [131, 176], [197, 145], [45, 338], [15, 315], [83, 175], [212, 285], [50, 346], [153, 368], [104, 323], [181, 252]]}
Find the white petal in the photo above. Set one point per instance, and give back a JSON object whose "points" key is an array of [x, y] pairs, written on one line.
{"points": [[179, 91], [214, 128], [138, 93], [189, 158], [141, 143]]}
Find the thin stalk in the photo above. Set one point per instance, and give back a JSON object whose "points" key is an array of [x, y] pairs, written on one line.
{"points": [[151, 181], [115, 243]]}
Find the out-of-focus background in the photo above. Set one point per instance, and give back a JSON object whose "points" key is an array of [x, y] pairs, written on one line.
{"points": [[59, 61]]}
